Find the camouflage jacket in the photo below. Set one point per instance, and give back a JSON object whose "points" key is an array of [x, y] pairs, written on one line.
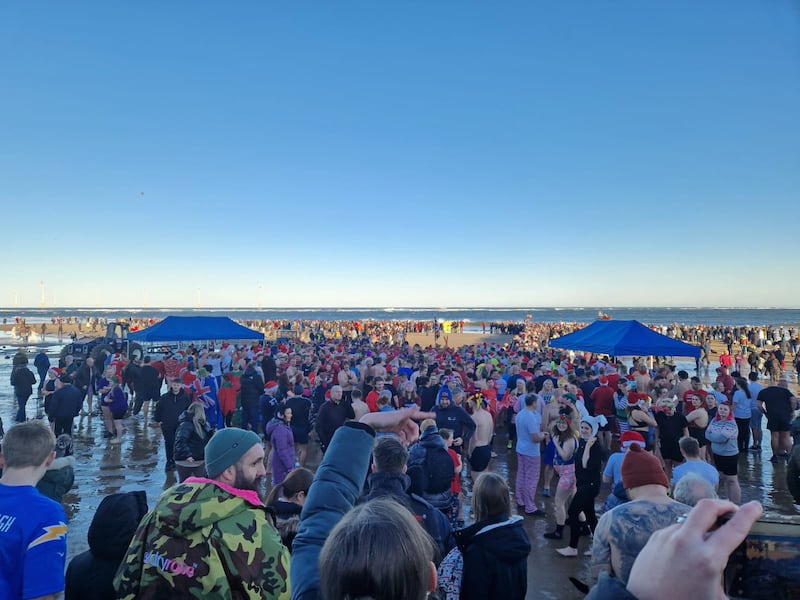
{"points": [[205, 540]]}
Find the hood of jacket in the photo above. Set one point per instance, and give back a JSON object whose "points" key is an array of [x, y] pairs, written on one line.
{"points": [[199, 503], [115, 522], [504, 538], [430, 438], [274, 423]]}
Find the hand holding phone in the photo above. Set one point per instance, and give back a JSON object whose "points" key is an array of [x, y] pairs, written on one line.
{"points": [[694, 551]]}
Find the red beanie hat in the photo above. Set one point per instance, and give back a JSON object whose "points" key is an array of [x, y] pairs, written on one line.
{"points": [[639, 468]]}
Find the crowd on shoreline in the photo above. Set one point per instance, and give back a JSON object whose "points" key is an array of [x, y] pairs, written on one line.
{"points": [[562, 413]]}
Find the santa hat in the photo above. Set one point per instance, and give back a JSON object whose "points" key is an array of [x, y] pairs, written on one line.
{"points": [[640, 468], [271, 386], [54, 370], [631, 437]]}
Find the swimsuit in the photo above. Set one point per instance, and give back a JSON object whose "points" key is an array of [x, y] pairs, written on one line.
{"points": [[480, 457]]}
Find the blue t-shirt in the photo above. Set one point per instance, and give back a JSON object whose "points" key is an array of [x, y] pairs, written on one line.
{"points": [[33, 543], [528, 422], [741, 405], [698, 467], [614, 467]]}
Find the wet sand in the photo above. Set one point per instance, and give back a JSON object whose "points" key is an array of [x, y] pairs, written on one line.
{"points": [[138, 463]]}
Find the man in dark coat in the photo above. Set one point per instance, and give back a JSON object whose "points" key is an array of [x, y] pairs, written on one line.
{"points": [[42, 364], [86, 379], [332, 415], [65, 405], [148, 387], [22, 380], [252, 387], [167, 416], [388, 479]]}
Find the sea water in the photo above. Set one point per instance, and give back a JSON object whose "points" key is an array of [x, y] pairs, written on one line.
{"points": [[472, 317]]}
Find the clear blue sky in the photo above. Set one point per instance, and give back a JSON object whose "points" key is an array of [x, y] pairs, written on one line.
{"points": [[415, 153]]}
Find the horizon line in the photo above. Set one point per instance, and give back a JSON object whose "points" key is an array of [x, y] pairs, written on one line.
{"points": [[392, 308]]}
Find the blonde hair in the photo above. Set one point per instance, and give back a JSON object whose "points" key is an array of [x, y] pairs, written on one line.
{"points": [[198, 418], [426, 424]]}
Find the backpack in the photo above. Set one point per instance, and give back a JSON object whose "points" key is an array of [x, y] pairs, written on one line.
{"points": [[439, 470], [449, 574]]}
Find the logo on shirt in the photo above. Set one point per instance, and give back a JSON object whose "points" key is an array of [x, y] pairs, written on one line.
{"points": [[51, 533]]}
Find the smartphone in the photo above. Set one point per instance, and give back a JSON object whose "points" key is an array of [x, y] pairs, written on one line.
{"points": [[767, 564]]}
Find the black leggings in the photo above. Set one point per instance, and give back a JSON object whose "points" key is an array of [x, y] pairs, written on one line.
{"points": [[744, 433], [582, 502]]}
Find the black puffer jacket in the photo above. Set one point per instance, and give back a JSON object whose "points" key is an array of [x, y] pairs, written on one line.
{"points": [[187, 442], [252, 386], [495, 555], [90, 574], [170, 407]]}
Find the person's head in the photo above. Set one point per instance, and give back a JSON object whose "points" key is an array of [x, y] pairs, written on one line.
{"points": [[284, 413], [427, 424], [531, 401], [565, 428], [690, 448], [389, 455], [490, 497], [236, 457], [668, 404], [696, 383], [336, 393], [623, 386], [294, 488], [380, 527], [447, 436], [197, 414], [783, 382], [697, 400], [29, 445], [753, 376], [445, 397], [630, 437], [641, 469], [724, 412], [355, 395], [710, 401], [691, 488], [175, 385]]}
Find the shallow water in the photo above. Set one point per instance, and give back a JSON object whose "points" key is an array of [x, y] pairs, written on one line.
{"points": [[138, 463]]}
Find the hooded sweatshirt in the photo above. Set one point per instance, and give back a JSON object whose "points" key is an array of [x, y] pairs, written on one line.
{"points": [[91, 574], [495, 553], [205, 539]]}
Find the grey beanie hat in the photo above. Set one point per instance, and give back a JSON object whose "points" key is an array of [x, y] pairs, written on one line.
{"points": [[226, 447]]}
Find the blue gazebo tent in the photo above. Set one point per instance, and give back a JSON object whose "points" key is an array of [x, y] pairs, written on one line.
{"points": [[623, 338], [183, 329]]}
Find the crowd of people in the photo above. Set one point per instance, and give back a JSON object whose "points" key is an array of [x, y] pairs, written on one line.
{"points": [[407, 434]]}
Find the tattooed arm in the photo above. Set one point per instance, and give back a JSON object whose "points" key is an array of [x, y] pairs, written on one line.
{"points": [[601, 548], [628, 531]]}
